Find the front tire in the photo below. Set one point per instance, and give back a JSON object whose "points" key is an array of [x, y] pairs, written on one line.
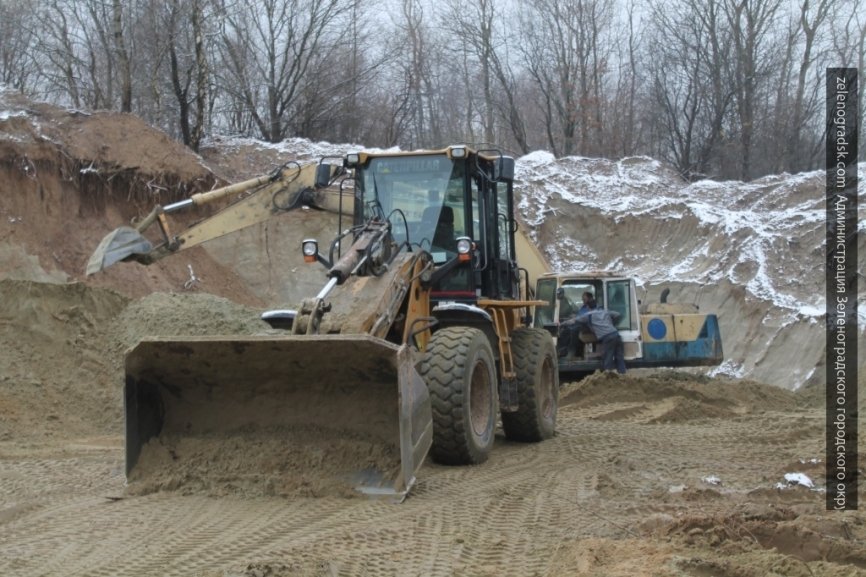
{"points": [[460, 373], [537, 387]]}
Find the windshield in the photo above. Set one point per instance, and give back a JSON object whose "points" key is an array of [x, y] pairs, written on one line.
{"points": [[426, 191]]}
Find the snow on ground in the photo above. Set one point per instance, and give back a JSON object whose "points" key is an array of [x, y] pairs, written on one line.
{"points": [[767, 235]]}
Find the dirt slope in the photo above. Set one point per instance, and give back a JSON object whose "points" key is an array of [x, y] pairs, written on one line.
{"points": [[752, 252], [67, 178]]}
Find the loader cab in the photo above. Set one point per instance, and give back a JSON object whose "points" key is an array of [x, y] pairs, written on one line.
{"points": [[456, 204], [563, 295]]}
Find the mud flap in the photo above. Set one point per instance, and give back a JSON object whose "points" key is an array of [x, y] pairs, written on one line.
{"points": [[356, 401]]}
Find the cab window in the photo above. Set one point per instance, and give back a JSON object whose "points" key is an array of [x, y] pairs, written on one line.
{"points": [[545, 291], [619, 300]]}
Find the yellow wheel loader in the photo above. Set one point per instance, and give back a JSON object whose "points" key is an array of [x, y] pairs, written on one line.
{"points": [[418, 341]]}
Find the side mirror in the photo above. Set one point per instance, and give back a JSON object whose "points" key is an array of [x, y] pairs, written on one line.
{"points": [[504, 169], [560, 293], [323, 175]]}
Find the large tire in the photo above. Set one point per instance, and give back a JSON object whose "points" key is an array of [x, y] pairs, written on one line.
{"points": [[537, 387], [460, 373]]}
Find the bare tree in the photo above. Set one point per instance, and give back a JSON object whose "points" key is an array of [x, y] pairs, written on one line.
{"points": [[564, 54], [267, 50], [189, 69], [63, 71], [415, 67], [849, 48], [623, 130], [805, 102], [691, 82], [473, 27], [751, 23], [419, 82], [124, 68], [79, 47], [18, 59], [95, 19], [479, 31], [730, 88]]}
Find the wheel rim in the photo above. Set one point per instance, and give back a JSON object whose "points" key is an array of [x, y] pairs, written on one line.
{"points": [[479, 399], [547, 389]]}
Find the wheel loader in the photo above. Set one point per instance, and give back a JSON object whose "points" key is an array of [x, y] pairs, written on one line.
{"points": [[419, 341]]}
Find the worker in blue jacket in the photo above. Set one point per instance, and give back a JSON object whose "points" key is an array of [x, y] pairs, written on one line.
{"points": [[602, 323]]}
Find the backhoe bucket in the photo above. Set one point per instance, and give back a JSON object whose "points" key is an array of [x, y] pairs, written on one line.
{"points": [[117, 245], [302, 415]]}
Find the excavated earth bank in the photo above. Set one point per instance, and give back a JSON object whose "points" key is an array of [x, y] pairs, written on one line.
{"points": [[657, 473]]}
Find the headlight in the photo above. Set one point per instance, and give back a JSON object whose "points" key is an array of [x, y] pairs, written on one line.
{"points": [[310, 248], [464, 248], [458, 152], [353, 159]]}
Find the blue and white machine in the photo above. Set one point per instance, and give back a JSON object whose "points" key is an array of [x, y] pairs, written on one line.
{"points": [[654, 335]]}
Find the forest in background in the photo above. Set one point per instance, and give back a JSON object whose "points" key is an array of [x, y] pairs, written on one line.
{"points": [[731, 89]]}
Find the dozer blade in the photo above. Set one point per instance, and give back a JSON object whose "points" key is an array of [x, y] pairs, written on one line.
{"points": [[117, 245], [280, 414]]}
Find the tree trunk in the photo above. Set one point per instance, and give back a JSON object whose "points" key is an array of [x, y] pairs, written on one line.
{"points": [[122, 59]]}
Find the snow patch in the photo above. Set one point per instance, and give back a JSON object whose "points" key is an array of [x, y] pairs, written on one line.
{"points": [[794, 479], [728, 368], [7, 114]]}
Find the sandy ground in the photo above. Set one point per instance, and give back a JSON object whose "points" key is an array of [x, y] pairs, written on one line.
{"points": [[655, 473], [627, 487]]}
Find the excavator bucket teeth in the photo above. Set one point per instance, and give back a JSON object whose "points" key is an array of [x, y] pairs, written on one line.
{"points": [[117, 245], [287, 413]]}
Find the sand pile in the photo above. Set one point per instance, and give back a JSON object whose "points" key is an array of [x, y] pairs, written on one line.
{"points": [[68, 178], [675, 396], [60, 373]]}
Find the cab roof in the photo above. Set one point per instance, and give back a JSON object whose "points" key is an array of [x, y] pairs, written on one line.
{"points": [[588, 275]]}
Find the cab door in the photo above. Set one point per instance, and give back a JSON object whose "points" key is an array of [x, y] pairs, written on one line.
{"points": [[504, 265], [620, 296]]}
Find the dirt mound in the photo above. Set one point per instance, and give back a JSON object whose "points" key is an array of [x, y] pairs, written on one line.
{"points": [[759, 538], [236, 159], [666, 396], [753, 541], [71, 177], [747, 251], [60, 376], [190, 314], [62, 348], [105, 153]]}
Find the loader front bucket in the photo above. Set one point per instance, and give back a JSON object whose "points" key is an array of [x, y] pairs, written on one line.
{"points": [[117, 245], [302, 415]]}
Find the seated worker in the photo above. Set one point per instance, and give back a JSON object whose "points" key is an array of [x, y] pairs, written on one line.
{"points": [[602, 324], [568, 343], [437, 223]]}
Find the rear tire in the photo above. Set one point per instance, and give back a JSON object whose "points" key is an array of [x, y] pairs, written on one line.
{"points": [[460, 373], [537, 387]]}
